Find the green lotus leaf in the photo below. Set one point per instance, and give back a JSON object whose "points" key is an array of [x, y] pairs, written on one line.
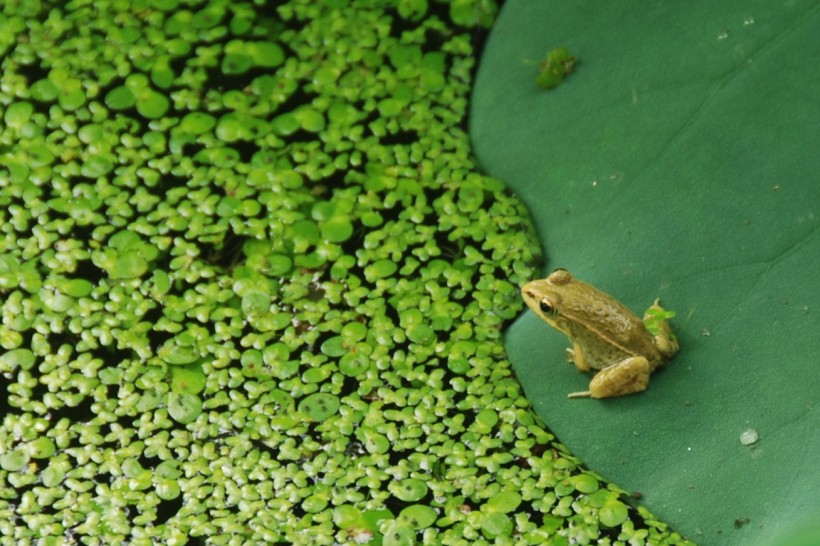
{"points": [[678, 161]]}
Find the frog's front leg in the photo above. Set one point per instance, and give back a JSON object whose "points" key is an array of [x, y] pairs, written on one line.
{"points": [[576, 356], [627, 376]]}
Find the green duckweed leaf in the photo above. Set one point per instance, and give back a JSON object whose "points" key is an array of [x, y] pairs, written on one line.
{"points": [[17, 358], [471, 13], [41, 448], [613, 513], [346, 516], [334, 346], [266, 54], [679, 165], [336, 230], [285, 124], [494, 524], [314, 504], [97, 165], [409, 489], [381, 269], [554, 67], [421, 334], [236, 63], [18, 113], [151, 104], [162, 75], [77, 288], [168, 470], [418, 516], [208, 17], [120, 98], [129, 265], [167, 489], [353, 364], [14, 460], [187, 379], [354, 331], [371, 518], [412, 9], [44, 90], [184, 408], [52, 475], [399, 534], [319, 406], [177, 355], [196, 123], [504, 501]]}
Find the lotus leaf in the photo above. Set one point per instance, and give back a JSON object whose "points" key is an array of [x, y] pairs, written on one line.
{"points": [[678, 161]]}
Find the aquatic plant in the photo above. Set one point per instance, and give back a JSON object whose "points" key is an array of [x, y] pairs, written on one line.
{"points": [[253, 285]]}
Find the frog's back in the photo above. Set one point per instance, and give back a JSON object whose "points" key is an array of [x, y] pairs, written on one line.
{"points": [[609, 328]]}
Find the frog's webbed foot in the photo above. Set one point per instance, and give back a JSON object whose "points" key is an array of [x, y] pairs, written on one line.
{"points": [[627, 376]]}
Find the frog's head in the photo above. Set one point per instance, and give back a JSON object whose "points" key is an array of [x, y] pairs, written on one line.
{"points": [[545, 297]]}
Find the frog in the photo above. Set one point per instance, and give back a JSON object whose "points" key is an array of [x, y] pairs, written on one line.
{"points": [[606, 337]]}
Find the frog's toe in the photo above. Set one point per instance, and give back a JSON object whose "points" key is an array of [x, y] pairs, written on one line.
{"points": [[580, 394]]}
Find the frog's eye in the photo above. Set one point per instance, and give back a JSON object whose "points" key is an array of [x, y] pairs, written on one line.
{"points": [[546, 308]]}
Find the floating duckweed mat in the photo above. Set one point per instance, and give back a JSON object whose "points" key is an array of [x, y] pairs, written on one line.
{"points": [[253, 286]]}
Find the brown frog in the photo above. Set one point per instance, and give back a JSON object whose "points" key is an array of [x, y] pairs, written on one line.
{"points": [[605, 335]]}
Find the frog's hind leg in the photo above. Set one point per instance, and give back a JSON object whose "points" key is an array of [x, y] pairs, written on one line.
{"points": [[664, 339], [627, 376]]}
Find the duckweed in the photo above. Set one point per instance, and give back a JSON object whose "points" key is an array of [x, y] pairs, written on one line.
{"points": [[253, 285], [555, 66]]}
